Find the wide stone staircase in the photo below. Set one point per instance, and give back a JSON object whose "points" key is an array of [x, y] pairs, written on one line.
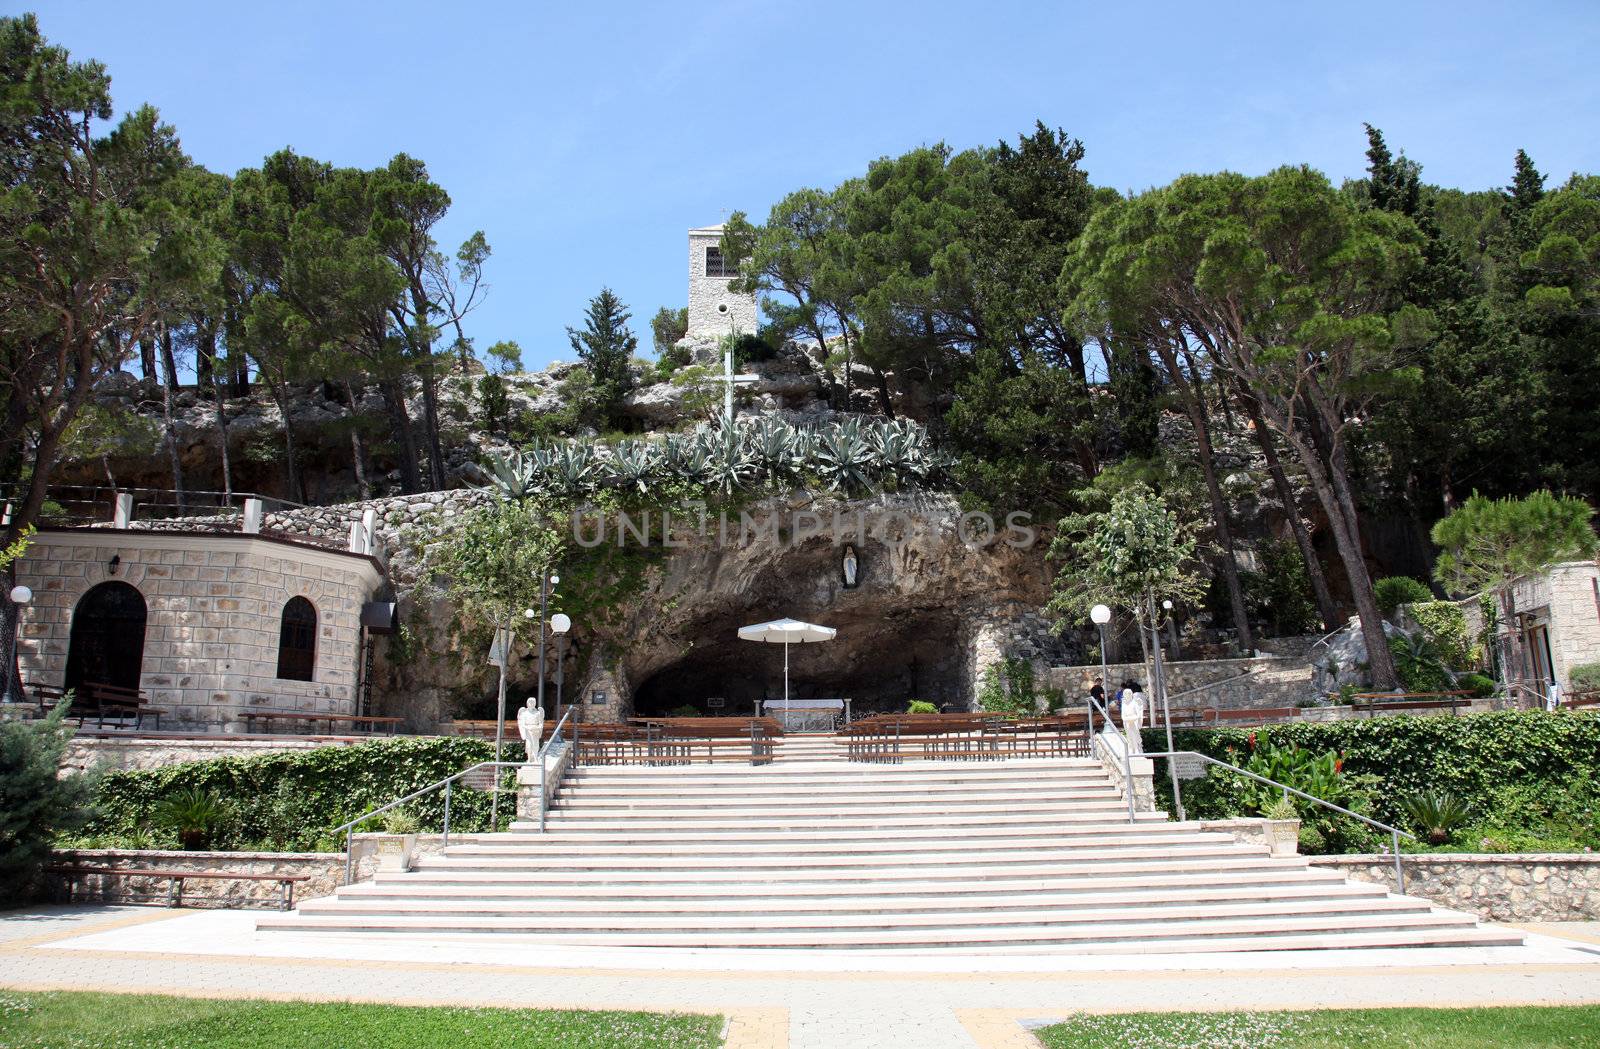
{"points": [[1023, 857]]}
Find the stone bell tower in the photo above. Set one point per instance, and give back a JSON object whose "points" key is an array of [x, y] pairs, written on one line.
{"points": [[714, 311]]}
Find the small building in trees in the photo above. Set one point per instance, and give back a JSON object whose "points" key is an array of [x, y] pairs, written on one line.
{"points": [[715, 310], [204, 625], [1559, 620]]}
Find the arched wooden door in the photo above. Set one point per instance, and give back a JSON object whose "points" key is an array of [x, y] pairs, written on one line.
{"points": [[107, 642]]}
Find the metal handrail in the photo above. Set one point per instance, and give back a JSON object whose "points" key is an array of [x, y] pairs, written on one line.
{"points": [[1394, 832], [1127, 748], [555, 737], [349, 828]]}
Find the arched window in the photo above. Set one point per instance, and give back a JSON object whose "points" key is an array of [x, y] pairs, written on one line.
{"points": [[297, 641], [107, 641]]}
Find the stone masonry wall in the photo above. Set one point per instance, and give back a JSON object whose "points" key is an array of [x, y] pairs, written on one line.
{"points": [[214, 615], [1268, 685], [87, 752], [1535, 887], [707, 293]]}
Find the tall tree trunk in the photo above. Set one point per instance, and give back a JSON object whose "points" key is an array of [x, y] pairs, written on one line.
{"points": [[1347, 537], [1194, 402], [358, 450], [205, 351], [147, 358], [220, 400], [400, 419], [430, 423], [280, 395], [167, 389], [1326, 608], [169, 361], [884, 401]]}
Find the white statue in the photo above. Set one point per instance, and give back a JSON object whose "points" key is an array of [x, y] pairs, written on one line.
{"points": [[849, 567], [1133, 719], [530, 726]]}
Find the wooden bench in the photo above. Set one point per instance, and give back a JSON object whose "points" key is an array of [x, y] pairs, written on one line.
{"points": [[1214, 717], [1387, 702], [964, 737], [1577, 700], [115, 701], [310, 717], [672, 740], [45, 697], [174, 893]]}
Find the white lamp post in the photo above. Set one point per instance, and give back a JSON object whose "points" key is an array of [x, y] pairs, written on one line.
{"points": [[20, 597], [560, 623]]}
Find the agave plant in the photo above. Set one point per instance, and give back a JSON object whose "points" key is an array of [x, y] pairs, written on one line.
{"points": [[573, 468], [193, 815], [514, 477], [901, 449], [774, 445], [633, 464], [730, 463], [1436, 814], [844, 457]]}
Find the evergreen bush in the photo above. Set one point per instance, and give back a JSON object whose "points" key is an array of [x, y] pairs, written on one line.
{"points": [[292, 801], [1585, 676], [1400, 590], [36, 804], [1530, 769]]}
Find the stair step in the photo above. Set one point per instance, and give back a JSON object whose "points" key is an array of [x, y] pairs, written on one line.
{"points": [[1066, 934], [793, 824], [583, 834], [705, 812], [503, 900], [1356, 909], [538, 851]]}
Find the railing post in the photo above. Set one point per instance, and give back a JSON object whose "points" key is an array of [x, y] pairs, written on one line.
{"points": [[349, 838], [542, 792], [447, 785], [1399, 870]]}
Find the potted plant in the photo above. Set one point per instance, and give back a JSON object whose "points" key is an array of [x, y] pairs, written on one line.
{"points": [[1282, 827], [398, 843]]}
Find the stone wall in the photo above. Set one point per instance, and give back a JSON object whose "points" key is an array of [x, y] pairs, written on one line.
{"points": [[1533, 887], [86, 752], [1273, 682], [214, 615]]}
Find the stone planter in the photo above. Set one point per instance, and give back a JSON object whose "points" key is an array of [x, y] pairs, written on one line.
{"points": [[1283, 836], [395, 851]]}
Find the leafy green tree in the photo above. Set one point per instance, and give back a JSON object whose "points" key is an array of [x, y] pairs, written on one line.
{"points": [[491, 564], [1282, 286], [505, 357], [606, 347], [90, 248], [666, 328], [803, 254], [98, 433], [1486, 545], [37, 803], [1131, 556]]}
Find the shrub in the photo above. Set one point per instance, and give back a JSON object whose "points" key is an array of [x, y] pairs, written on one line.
{"points": [[1282, 809], [1009, 687], [401, 821], [36, 805], [1400, 590], [1586, 675], [1418, 664], [292, 801], [1479, 685], [1435, 814], [687, 710], [193, 815], [1444, 626], [920, 706], [1516, 769]]}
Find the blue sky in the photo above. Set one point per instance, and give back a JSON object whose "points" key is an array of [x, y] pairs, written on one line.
{"points": [[585, 139]]}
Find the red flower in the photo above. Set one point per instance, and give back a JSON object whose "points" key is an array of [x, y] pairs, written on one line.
{"points": [[1252, 741], [1338, 764]]}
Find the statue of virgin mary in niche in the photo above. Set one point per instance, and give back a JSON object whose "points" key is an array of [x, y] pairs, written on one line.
{"points": [[849, 567]]}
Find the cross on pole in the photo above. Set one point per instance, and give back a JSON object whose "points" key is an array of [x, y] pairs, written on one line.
{"points": [[731, 380]]}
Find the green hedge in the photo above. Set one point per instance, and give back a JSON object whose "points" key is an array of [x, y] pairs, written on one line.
{"points": [[291, 801], [1514, 768]]}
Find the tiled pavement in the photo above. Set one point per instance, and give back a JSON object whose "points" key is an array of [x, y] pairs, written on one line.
{"points": [[814, 1001]]}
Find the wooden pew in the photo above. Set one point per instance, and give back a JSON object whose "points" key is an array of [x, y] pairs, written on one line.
{"points": [[1394, 702], [1261, 716], [114, 701]]}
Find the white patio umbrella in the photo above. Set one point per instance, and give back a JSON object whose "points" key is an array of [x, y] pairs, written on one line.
{"points": [[786, 632]]}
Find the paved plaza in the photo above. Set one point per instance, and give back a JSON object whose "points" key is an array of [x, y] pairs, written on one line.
{"points": [[773, 998]]}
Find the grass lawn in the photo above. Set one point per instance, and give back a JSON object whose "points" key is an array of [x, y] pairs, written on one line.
{"points": [[117, 1021], [1527, 1028]]}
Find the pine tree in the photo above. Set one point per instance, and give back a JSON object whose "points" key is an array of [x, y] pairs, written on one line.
{"points": [[606, 347]]}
